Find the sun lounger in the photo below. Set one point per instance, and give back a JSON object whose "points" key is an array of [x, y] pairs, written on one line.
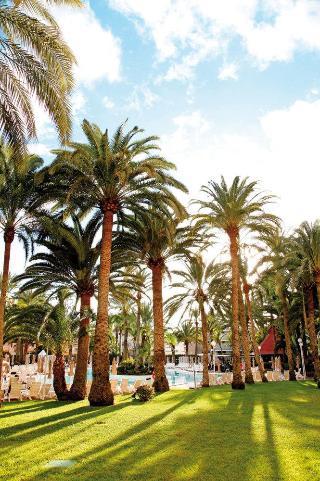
{"points": [[15, 391], [124, 388], [276, 375], [34, 390], [114, 386], [269, 375], [257, 376], [226, 378]]}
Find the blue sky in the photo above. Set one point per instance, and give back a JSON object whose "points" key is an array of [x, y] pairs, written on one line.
{"points": [[231, 87]]}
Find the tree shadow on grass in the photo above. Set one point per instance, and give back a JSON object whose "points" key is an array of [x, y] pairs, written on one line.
{"points": [[39, 427], [26, 407], [213, 434]]}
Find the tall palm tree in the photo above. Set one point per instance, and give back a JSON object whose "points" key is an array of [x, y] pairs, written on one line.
{"points": [[307, 241], [278, 256], [19, 200], [69, 261], [233, 209], [158, 239], [306, 250], [36, 63], [117, 176], [246, 289], [193, 285]]}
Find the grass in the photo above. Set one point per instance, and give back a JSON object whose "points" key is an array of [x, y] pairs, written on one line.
{"points": [[265, 433]]}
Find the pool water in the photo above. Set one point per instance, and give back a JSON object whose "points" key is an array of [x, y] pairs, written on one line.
{"points": [[176, 377]]}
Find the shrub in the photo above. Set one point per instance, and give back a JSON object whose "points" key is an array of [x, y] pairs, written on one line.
{"points": [[144, 393], [129, 367]]}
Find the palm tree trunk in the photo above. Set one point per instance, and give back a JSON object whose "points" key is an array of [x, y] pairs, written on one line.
{"points": [[138, 330], [245, 339], [310, 324], [257, 357], [237, 382], [125, 342], [8, 239], [59, 380], [204, 327], [317, 281], [120, 343], [285, 311], [101, 393], [196, 345], [160, 382], [186, 345], [79, 385], [173, 353]]}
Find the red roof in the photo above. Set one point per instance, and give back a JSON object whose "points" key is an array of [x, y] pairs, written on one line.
{"points": [[268, 344]]}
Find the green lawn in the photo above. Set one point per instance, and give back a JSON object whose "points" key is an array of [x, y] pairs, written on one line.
{"points": [[268, 432]]}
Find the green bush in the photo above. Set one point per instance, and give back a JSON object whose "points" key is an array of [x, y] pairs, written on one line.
{"points": [[129, 367], [144, 393]]}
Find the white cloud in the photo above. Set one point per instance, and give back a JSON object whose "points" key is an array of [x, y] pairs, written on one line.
{"points": [[269, 30], [97, 50], [227, 72], [141, 97], [39, 149], [108, 103], [78, 102], [285, 158]]}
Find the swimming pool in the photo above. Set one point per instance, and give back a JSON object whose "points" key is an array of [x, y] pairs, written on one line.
{"points": [[176, 377]]}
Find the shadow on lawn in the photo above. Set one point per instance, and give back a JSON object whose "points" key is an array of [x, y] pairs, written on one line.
{"points": [[36, 428], [211, 434]]}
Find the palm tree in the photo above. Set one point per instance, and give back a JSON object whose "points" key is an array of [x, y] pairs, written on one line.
{"points": [[235, 209], [186, 334], [307, 242], [35, 63], [18, 202], [278, 256], [306, 250], [33, 319], [246, 289], [57, 332], [193, 285], [69, 261], [245, 338], [158, 239], [117, 176], [171, 339]]}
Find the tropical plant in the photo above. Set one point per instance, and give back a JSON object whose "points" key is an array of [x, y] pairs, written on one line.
{"points": [[19, 200], [172, 340], [278, 257], [186, 333], [57, 332], [158, 238], [35, 63], [234, 209], [306, 250], [117, 176], [69, 261], [193, 285], [144, 393]]}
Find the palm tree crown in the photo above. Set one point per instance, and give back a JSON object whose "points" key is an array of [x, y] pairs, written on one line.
{"points": [[35, 62]]}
